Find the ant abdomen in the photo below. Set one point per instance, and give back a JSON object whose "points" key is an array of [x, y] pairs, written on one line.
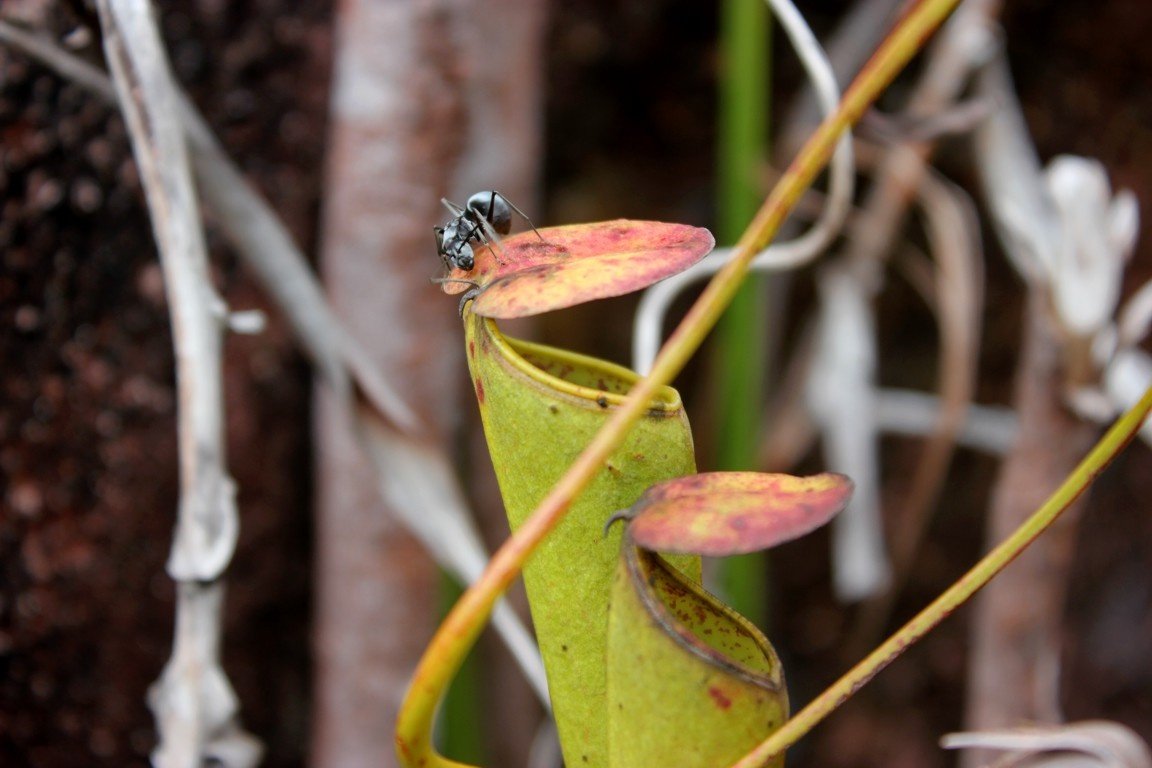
{"points": [[491, 206]]}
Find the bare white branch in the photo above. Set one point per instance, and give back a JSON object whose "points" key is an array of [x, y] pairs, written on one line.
{"points": [[841, 394], [63, 63], [1087, 744], [195, 709], [987, 428], [1069, 236]]}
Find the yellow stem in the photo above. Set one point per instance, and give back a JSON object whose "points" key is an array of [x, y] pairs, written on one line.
{"points": [[942, 607], [458, 632]]}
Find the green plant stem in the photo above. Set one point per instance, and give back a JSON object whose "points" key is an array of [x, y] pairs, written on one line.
{"points": [[743, 130], [1093, 464], [455, 636], [741, 358]]}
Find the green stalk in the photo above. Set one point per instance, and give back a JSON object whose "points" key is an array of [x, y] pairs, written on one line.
{"points": [[741, 335]]}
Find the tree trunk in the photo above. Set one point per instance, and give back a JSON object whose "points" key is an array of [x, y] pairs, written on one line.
{"points": [[1014, 670], [424, 104]]}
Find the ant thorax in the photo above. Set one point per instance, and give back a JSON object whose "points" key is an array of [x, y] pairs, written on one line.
{"points": [[485, 217]]}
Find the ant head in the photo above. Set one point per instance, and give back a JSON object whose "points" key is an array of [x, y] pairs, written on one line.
{"points": [[463, 258]]}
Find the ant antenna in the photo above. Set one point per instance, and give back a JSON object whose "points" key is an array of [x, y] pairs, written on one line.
{"points": [[446, 280], [453, 209]]}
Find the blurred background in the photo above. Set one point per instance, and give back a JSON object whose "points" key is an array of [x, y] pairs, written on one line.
{"points": [[578, 112]]}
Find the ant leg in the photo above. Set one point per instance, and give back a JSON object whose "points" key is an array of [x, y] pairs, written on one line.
{"points": [[522, 214], [485, 234], [453, 209], [439, 233], [489, 237]]}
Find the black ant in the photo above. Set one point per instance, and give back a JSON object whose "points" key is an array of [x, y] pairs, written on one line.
{"points": [[482, 220]]}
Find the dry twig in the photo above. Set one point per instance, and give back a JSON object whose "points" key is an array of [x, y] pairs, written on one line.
{"points": [[195, 708]]}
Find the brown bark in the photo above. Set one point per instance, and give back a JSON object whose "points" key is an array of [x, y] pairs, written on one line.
{"points": [[1014, 669], [422, 105]]}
